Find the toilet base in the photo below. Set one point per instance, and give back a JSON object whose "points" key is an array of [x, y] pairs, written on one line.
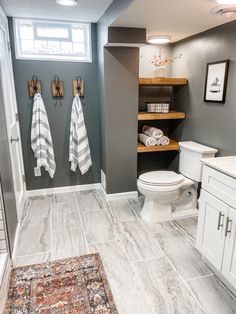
{"points": [[153, 211]]}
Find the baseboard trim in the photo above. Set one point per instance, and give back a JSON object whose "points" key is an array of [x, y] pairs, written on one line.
{"points": [[16, 240], [118, 196], [64, 189]]}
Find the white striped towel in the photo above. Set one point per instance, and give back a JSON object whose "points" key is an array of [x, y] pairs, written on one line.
{"points": [[41, 140], [164, 140], [79, 151], [153, 132], [147, 140]]}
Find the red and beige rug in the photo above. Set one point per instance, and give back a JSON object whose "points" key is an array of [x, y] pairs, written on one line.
{"points": [[73, 285]]}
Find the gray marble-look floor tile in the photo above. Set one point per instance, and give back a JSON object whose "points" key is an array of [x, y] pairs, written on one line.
{"points": [[136, 203], [97, 226], [165, 289], [182, 254], [128, 293], [68, 243], [63, 198], [137, 241], [160, 227], [32, 259], [213, 296], [36, 209], [188, 225], [34, 240], [65, 216], [121, 211], [89, 201]]}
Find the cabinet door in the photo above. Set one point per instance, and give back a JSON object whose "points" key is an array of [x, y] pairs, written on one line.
{"points": [[229, 261], [211, 228]]}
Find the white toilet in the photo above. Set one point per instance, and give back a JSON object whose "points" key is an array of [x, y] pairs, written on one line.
{"points": [[169, 195]]}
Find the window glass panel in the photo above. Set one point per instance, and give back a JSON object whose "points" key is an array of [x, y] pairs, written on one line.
{"points": [[26, 31], [27, 46], [41, 46], [79, 49], [54, 47], [51, 40], [52, 32], [66, 48], [78, 35]]}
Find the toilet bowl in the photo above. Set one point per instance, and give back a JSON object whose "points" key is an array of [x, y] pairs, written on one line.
{"points": [[169, 195]]}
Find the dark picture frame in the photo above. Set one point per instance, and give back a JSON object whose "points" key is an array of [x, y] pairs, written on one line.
{"points": [[216, 81]]}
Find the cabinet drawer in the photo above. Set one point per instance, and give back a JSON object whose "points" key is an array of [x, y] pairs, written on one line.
{"points": [[220, 185]]}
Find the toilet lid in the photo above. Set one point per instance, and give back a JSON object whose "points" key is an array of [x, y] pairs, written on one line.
{"points": [[164, 178]]}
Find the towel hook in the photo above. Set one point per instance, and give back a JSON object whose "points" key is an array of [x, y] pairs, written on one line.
{"points": [[57, 89], [78, 87], [35, 83]]}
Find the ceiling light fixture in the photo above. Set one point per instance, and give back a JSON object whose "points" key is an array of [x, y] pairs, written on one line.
{"points": [[159, 39], [225, 11], [67, 3], [226, 2]]}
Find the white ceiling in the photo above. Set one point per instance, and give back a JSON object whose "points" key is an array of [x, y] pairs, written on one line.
{"points": [[179, 19], [85, 11]]}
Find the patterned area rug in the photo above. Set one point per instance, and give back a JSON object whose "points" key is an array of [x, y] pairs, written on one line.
{"points": [[73, 285]]}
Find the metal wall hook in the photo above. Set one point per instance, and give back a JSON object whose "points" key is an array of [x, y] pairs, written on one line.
{"points": [[57, 89]]}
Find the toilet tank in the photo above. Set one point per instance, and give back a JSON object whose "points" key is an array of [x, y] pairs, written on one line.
{"points": [[191, 153]]}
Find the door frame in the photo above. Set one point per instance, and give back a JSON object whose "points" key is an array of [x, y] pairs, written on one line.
{"points": [[5, 29]]}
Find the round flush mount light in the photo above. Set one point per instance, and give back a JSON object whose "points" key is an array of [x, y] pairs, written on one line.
{"points": [[67, 3], [226, 2], [159, 39], [225, 10]]}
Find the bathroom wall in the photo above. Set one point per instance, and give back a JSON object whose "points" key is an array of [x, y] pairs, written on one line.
{"points": [[208, 123], [146, 54], [59, 116]]}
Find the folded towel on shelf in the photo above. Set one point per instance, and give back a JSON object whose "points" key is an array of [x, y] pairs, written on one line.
{"points": [[164, 140], [41, 139], [153, 132], [79, 150], [147, 140]]}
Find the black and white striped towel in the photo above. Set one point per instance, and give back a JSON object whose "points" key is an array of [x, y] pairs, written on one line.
{"points": [[41, 140], [79, 151]]}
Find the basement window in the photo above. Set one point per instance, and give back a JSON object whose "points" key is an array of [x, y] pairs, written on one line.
{"points": [[53, 41]]}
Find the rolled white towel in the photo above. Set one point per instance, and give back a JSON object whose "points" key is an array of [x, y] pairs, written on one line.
{"points": [[164, 140], [153, 132], [147, 140]]}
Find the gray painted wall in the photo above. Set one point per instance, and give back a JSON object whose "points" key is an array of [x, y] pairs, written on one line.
{"points": [[208, 123], [59, 116], [121, 108]]}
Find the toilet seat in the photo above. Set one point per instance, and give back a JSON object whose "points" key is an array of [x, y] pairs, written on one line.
{"points": [[161, 178]]}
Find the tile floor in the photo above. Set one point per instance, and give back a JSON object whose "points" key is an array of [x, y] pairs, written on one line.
{"points": [[152, 268]]}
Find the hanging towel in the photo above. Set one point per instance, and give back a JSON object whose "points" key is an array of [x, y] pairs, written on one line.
{"points": [[41, 140], [153, 132], [164, 140], [147, 140], [79, 151]]}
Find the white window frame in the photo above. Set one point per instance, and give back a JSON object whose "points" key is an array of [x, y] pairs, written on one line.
{"points": [[47, 57]]}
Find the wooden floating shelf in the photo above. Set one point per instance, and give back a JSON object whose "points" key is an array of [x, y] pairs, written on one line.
{"points": [[144, 149], [163, 81], [161, 116]]}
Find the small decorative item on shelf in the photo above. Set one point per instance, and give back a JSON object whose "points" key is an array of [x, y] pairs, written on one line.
{"points": [[158, 107], [161, 61]]}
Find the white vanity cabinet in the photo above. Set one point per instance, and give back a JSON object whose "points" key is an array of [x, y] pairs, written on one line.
{"points": [[216, 233]]}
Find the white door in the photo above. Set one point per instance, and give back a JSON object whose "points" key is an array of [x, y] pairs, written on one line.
{"points": [[229, 262], [11, 112], [211, 228]]}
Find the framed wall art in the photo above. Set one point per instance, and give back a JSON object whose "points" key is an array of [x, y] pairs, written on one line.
{"points": [[216, 81]]}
